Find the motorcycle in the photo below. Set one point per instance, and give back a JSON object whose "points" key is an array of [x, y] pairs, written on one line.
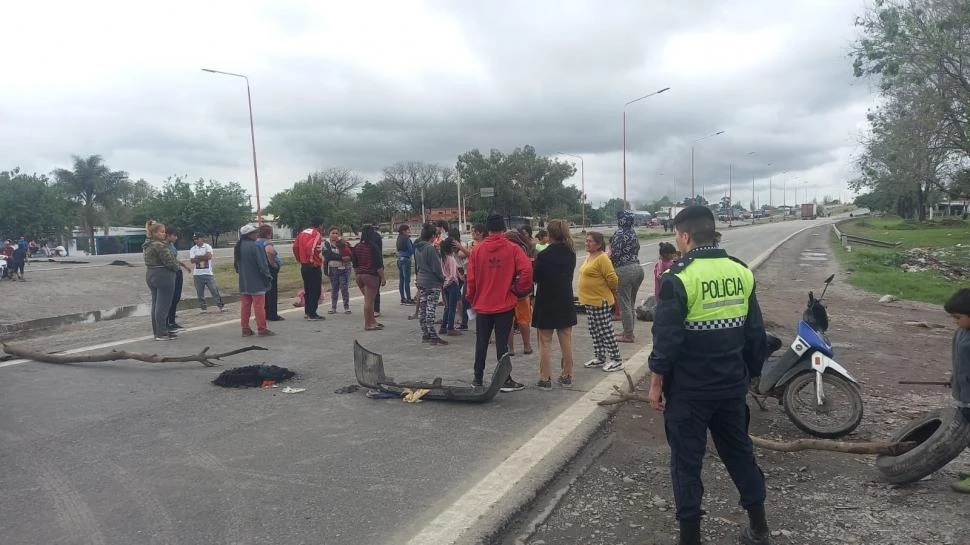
{"points": [[819, 396]]}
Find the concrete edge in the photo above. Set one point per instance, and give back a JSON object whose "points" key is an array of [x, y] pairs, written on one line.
{"points": [[487, 508]]}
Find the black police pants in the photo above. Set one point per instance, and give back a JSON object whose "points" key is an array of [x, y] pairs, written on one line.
{"points": [[686, 423]]}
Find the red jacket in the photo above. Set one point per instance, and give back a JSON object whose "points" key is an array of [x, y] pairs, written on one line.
{"points": [[498, 274], [307, 247]]}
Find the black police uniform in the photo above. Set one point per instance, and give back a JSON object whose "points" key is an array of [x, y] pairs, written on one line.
{"points": [[708, 339]]}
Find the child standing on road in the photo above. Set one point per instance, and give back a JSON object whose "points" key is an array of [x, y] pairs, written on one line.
{"points": [[958, 307], [668, 254]]}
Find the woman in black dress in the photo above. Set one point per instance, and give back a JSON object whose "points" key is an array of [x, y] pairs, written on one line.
{"points": [[554, 311]]}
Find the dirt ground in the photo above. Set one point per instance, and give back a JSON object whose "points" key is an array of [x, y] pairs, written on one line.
{"points": [[814, 498]]}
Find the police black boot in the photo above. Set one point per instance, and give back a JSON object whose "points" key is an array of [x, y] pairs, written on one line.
{"points": [[756, 533], [690, 532]]}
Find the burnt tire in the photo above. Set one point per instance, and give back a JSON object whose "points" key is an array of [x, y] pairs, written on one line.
{"points": [[942, 435]]}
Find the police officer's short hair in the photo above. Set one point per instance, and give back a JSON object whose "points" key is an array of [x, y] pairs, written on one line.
{"points": [[697, 221]]}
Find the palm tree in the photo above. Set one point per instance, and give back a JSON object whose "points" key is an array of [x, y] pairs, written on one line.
{"points": [[96, 188]]}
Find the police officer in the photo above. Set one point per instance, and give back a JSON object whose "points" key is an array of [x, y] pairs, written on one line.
{"points": [[708, 339]]}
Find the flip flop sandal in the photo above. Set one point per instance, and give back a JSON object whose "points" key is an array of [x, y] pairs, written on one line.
{"points": [[529, 351], [331, 312], [373, 328]]}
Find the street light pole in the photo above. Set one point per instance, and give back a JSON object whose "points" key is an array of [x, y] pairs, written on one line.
{"points": [[624, 137], [693, 196], [252, 135], [461, 221], [582, 177]]}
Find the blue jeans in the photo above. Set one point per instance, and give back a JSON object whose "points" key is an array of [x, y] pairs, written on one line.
{"points": [[451, 292], [404, 277]]}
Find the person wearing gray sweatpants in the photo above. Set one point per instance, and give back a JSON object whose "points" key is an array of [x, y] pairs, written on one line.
{"points": [[161, 267], [624, 252]]}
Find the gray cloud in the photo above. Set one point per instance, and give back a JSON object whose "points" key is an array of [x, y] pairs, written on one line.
{"points": [[542, 73]]}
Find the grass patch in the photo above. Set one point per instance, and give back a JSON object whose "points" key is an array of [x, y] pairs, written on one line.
{"points": [[878, 269]]}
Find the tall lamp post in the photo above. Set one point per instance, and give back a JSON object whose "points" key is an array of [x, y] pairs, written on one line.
{"points": [[693, 196], [582, 177], [624, 136], [252, 135]]}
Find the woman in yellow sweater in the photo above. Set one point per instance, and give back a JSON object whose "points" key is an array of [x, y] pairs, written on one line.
{"points": [[597, 292]]}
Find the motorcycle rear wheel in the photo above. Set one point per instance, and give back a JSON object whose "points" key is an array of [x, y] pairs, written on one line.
{"points": [[840, 413]]}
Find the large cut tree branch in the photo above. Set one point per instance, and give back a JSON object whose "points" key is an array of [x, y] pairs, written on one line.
{"points": [[893, 449], [202, 357]]}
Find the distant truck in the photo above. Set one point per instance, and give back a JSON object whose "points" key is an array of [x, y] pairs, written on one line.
{"points": [[809, 211]]}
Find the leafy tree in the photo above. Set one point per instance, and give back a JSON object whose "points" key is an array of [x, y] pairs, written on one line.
{"points": [[524, 183], [206, 206], [33, 206], [918, 45], [376, 202], [95, 187], [294, 207]]}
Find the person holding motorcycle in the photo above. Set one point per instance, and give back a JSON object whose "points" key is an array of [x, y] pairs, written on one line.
{"points": [[708, 339]]}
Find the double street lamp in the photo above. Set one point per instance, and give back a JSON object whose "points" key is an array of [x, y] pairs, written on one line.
{"points": [[252, 135], [693, 196], [624, 137], [582, 177]]}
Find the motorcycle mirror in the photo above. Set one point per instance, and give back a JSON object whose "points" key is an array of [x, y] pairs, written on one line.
{"points": [[830, 278]]}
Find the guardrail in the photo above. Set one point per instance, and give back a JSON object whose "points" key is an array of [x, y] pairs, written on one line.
{"points": [[847, 240]]}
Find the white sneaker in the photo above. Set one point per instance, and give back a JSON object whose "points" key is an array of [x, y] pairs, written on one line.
{"points": [[203, 311], [613, 365], [595, 362]]}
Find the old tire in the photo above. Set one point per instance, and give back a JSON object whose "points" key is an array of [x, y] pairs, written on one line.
{"points": [[839, 415], [942, 435]]}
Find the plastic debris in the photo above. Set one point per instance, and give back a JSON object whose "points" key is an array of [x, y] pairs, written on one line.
{"points": [[289, 390]]}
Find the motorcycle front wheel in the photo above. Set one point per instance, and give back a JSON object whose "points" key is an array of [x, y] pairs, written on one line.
{"points": [[838, 415]]}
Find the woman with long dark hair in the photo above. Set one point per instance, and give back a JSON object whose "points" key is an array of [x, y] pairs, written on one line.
{"points": [[554, 309], [369, 266], [275, 262], [430, 280]]}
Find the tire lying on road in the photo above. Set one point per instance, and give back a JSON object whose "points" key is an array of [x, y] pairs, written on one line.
{"points": [[942, 435]]}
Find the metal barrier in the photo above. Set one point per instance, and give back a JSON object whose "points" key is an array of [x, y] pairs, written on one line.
{"points": [[847, 239]]}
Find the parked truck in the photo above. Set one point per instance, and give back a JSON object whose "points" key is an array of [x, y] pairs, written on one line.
{"points": [[809, 211]]}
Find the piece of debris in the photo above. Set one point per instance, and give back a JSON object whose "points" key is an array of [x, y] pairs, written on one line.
{"points": [[415, 395], [380, 394], [289, 390], [888, 298], [252, 376], [121, 263], [927, 325], [347, 389]]}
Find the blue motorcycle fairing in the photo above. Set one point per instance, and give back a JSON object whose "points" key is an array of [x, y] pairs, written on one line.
{"points": [[815, 339]]}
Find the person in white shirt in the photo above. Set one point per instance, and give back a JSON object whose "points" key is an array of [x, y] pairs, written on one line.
{"points": [[200, 256]]}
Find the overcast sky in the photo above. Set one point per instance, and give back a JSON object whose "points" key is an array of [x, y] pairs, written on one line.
{"points": [[365, 84]]}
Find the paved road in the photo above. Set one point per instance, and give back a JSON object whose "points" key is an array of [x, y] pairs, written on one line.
{"points": [[127, 452]]}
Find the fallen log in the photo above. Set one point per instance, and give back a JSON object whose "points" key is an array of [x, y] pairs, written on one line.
{"points": [[202, 357], [892, 449]]}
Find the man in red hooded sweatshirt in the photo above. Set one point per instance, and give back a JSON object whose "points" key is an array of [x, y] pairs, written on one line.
{"points": [[497, 276]]}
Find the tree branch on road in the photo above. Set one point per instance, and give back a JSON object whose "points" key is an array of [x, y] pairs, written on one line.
{"points": [[202, 357]]}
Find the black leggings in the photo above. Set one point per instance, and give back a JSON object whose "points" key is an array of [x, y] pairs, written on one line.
{"points": [[484, 325]]}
